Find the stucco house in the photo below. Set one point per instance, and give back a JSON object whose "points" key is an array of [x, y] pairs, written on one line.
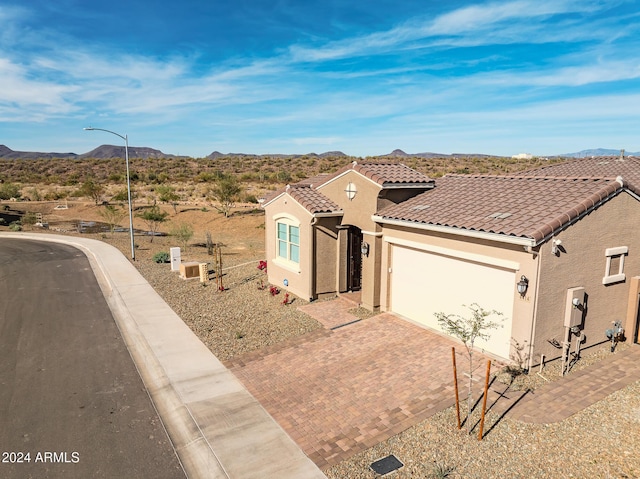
{"points": [[555, 249]]}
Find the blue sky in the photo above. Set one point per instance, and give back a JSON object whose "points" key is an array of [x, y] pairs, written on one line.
{"points": [[300, 76]]}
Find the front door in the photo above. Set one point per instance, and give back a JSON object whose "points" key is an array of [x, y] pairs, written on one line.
{"points": [[354, 259]]}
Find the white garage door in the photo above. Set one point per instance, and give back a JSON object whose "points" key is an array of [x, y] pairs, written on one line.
{"points": [[424, 283]]}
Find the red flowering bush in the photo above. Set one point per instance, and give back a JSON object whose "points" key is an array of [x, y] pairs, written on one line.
{"points": [[262, 265], [274, 290]]}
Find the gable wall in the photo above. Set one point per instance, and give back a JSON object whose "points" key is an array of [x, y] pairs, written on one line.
{"points": [[300, 279], [357, 211], [583, 264]]}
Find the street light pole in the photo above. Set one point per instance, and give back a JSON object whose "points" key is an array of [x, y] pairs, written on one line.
{"points": [[126, 155]]}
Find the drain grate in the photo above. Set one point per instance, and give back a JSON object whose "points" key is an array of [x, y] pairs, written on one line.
{"points": [[386, 465]]}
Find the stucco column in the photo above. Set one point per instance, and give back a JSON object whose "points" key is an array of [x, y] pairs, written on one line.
{"points": [[370, 293]]}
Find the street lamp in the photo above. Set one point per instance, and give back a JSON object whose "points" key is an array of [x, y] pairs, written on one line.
{"points": [[126, 155]]}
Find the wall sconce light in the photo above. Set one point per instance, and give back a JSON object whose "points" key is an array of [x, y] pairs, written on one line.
{"points": [[364, 249], [522, 285], [555, 246]]}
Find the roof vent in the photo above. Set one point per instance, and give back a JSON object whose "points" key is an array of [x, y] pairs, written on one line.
{"points": [[500, 216], [421, 207], [622, 154]]}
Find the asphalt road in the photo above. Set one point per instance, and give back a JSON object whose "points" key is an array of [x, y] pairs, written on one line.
{"points": [[70, 395]]}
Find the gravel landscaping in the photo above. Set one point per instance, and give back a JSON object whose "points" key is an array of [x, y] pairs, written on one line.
{"points": [[602, 441]]}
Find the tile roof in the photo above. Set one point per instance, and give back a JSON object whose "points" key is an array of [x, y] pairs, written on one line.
{"points": [[312, 200], [306, 191], [594, 167], [386, 174], [517, 206]]}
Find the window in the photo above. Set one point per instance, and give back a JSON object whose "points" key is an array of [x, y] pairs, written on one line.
{"points": [[615, 261], [288, 241]]}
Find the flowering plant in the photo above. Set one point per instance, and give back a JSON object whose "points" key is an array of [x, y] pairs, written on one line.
{"points": [[285, 301], [262, 265], [274, 290]]}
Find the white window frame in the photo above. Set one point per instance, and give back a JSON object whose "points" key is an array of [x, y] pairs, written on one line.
{"points": [[287, 262], [618, 252]]}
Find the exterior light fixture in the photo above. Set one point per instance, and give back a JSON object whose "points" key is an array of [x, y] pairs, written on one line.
{"points": [[522, 285]]}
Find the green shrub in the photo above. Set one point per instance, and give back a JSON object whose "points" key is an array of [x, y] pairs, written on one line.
{"points": [[161, 257], [15, 226]]}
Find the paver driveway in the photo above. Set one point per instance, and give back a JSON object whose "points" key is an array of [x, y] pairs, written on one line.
{"points": [[338, 392]]}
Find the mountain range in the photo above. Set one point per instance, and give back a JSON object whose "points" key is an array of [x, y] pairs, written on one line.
{"points": [[111, 151]]}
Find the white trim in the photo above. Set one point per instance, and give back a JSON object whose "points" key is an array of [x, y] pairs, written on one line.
{"points": [[518, 240], [286, 216], [620, 252], [616, 251], [615, 278], [457, 254], [287, 264], [326, 215]]}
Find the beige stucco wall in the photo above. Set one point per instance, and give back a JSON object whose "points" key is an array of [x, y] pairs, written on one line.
{"points": [[582, 263], [523, 309], [359, 210], [300, 281], [326, 256]]}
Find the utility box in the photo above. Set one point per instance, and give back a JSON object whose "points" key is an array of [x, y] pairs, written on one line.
{"points": [[175, 259], [574, 307], [190, 270]]}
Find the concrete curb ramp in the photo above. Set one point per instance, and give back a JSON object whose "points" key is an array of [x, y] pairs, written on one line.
{"points": [[219, 430]]}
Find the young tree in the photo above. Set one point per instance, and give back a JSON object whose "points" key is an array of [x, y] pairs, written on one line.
{"points": [[92, 190], [468, 330], [153, 217], [225, 192], [183, 233], [167, 194], [112, 215]]}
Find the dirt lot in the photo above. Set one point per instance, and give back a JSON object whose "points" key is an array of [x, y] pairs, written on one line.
{"points": [[241, 234]]}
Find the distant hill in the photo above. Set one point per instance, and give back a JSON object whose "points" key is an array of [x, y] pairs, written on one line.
{"points": [[104, 151], [401, 154], [8, 153], [111, 151], [597, 152]]}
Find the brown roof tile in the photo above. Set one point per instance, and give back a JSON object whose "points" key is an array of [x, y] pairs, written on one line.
{"points": [[527, 207], [312, 200], [392, 174], [595, 167], [385, 174]]}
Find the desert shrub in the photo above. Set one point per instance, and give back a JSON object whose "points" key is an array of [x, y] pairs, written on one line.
{"points": [[15, 226], [8, 191], [161, 257]]}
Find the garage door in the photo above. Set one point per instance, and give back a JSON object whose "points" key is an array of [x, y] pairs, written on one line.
{"points": [[423, 283]]}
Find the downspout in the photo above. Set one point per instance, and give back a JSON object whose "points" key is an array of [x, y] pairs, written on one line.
{"points": [[312, 256], [535, 311]]}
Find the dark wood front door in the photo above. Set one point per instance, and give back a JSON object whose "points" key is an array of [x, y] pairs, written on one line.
{"points": [[354, 259]]}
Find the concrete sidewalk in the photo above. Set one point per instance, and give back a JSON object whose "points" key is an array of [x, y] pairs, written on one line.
{"points": [[217, 427]]}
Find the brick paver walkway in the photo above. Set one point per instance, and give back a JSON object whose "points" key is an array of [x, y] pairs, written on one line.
{"points": [[339, 392], [578, 390], [344, 388]]}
